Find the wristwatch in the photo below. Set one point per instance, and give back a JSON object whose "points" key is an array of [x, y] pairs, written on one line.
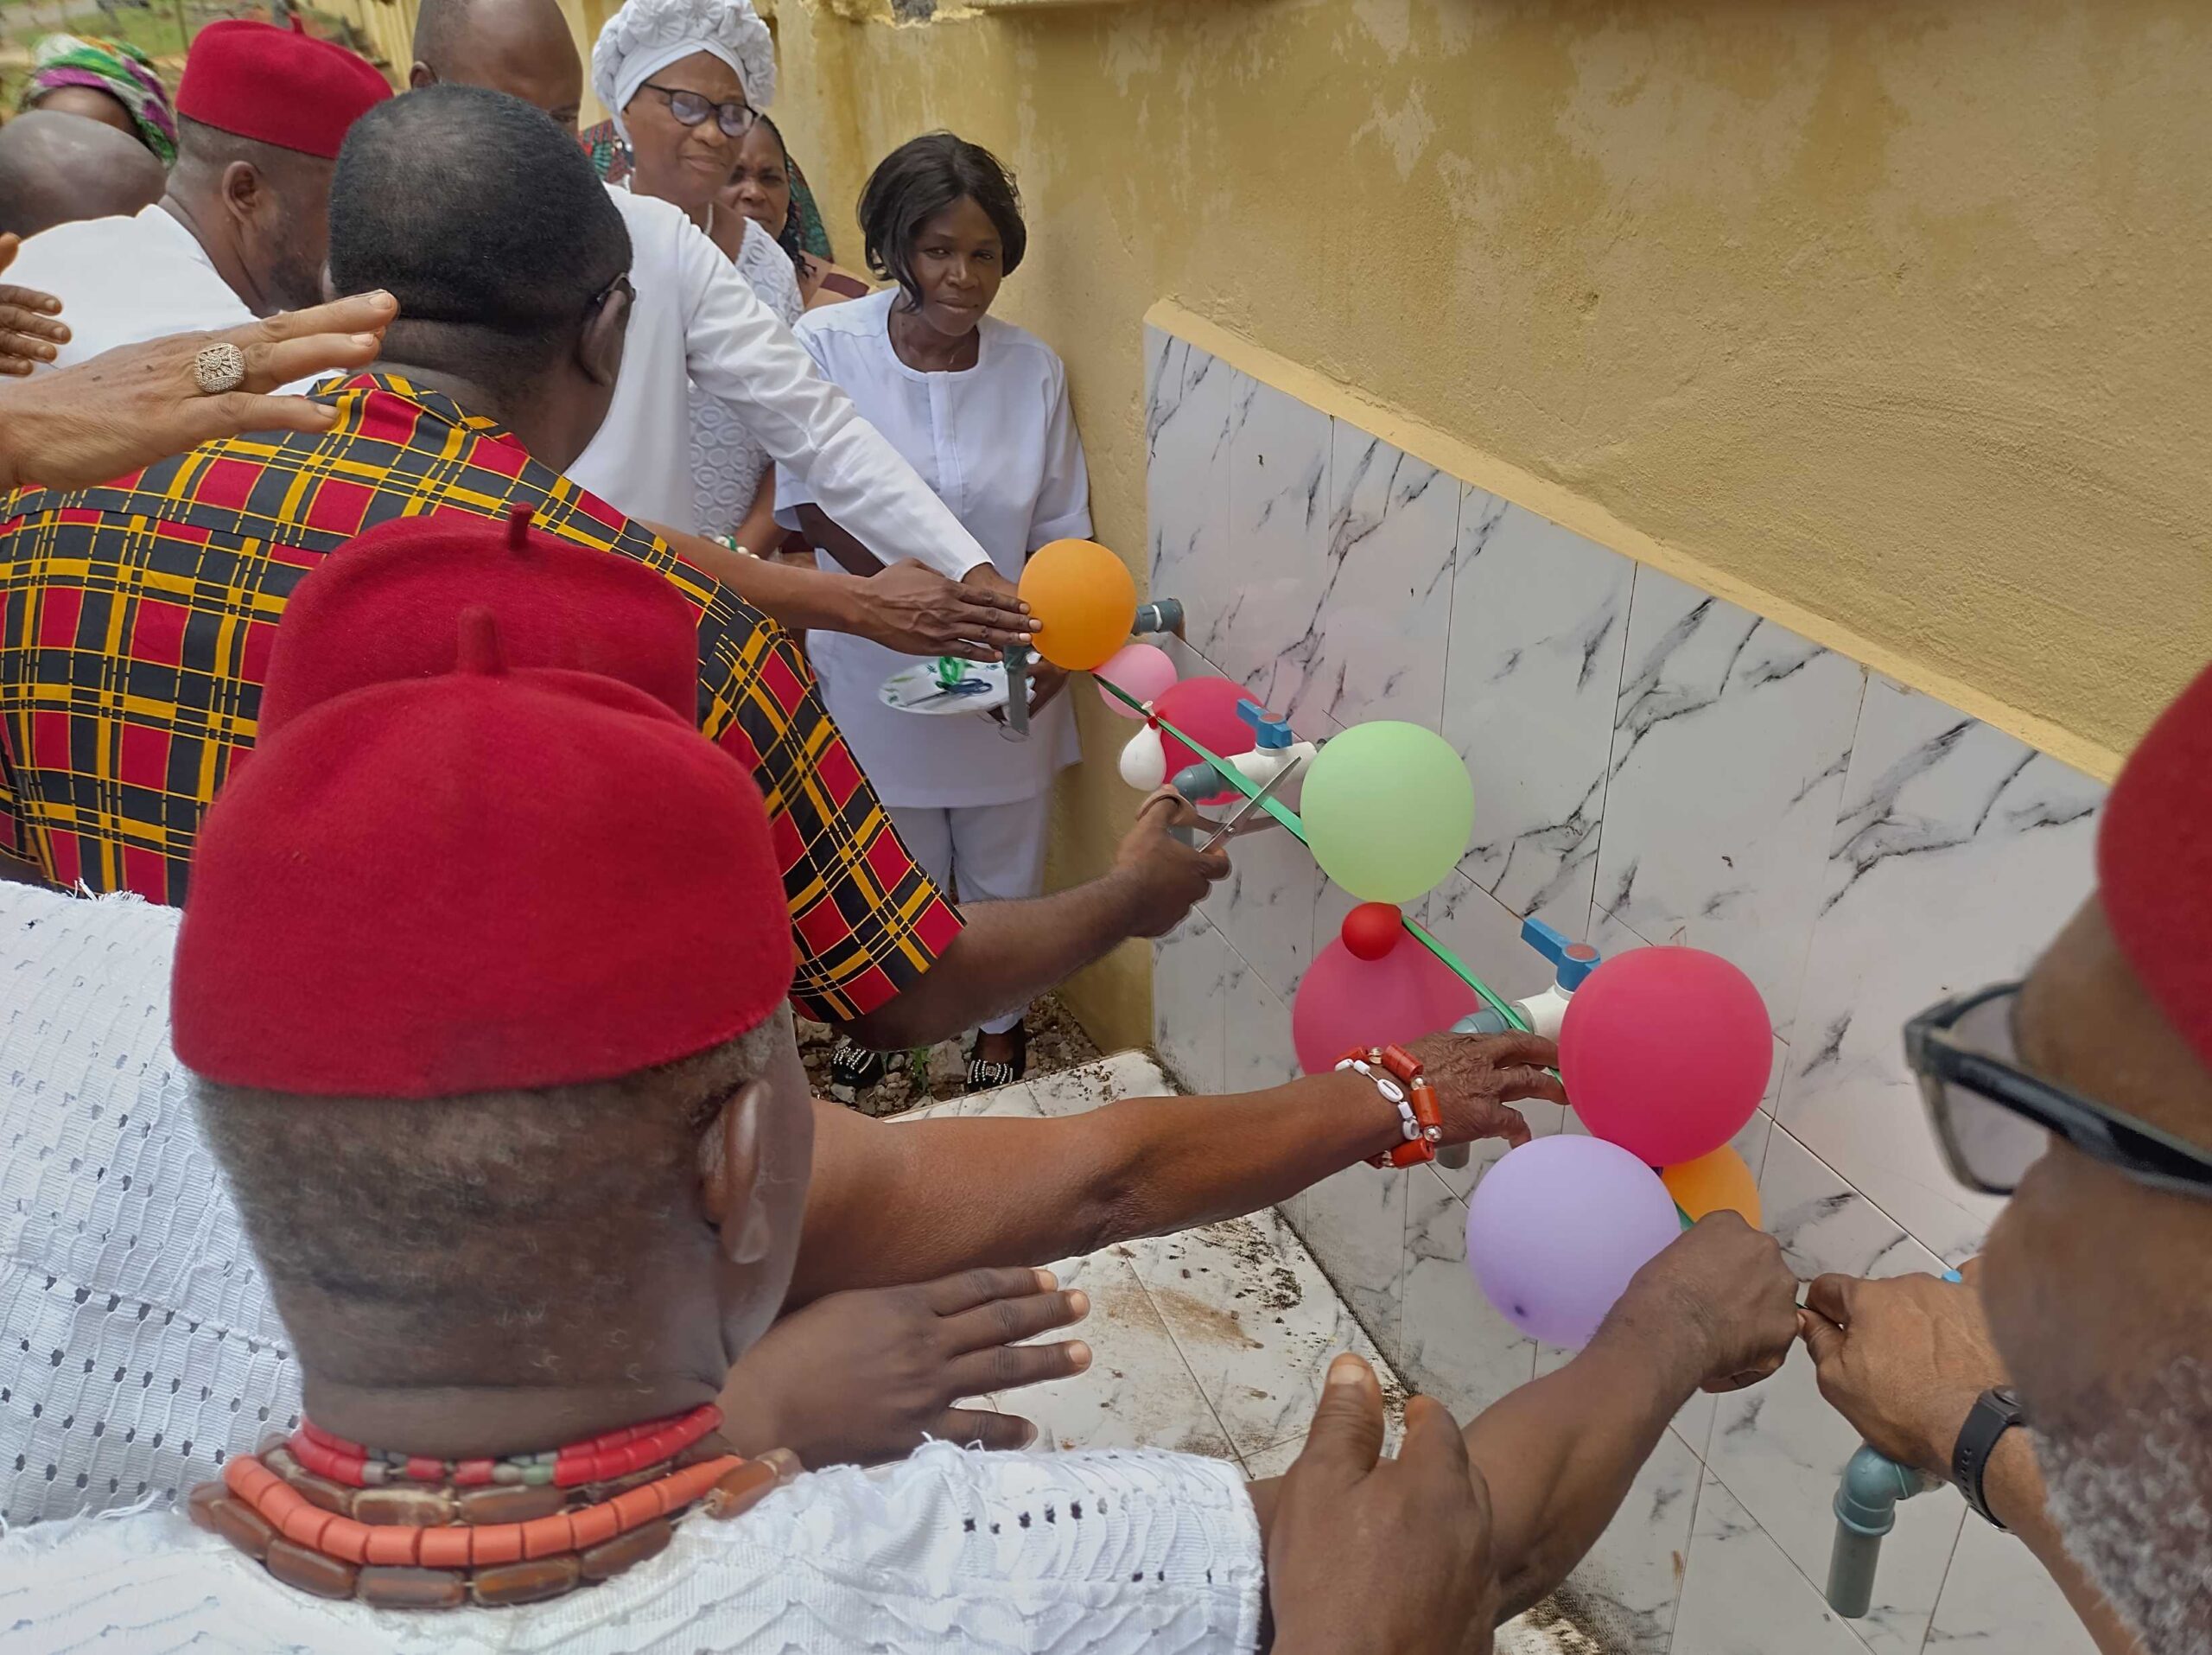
{"points": [[1996, 1411]]}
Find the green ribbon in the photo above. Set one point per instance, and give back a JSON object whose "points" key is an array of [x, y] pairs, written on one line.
{"points": [[1282, 813]]}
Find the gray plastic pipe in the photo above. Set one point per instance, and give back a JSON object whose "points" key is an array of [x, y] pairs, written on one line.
{"points": [[1866, 1510]]}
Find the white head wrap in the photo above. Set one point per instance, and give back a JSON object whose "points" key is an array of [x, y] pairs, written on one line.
{"points": [[645, 37]]}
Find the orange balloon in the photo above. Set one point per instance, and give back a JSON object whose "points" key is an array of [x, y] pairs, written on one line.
{"points": [[1712, 1183], [1086, 598]]}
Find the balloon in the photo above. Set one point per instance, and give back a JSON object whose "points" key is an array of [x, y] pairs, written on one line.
{"points": [[1142, 671], [1713, 1183], [1556, 1229], [1144, 764], [1206, 708], [1344, 1001], [1666, 1052], [1086, 598], [1387, 808], [1373, 929]]}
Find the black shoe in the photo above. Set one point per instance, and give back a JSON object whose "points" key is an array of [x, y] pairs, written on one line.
{"points": [[854, 1068], [983, 1075]]}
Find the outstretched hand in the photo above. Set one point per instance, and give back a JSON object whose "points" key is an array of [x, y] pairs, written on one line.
{"points": [[865, 1375], [30, 332], [1369, 1553], [913, 608], [1166, 876], [138, 403], [1476, 1076], [1902, 1360], [1723, 1288]]}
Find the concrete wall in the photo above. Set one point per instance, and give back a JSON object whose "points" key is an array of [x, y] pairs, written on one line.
{"points": [[1882, 321]]}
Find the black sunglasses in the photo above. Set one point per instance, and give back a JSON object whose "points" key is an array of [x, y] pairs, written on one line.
{"points": [[1994, 1119], [692, 108]]}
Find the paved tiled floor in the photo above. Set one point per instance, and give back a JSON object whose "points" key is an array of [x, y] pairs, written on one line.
{"points": [[1213, 1340]]}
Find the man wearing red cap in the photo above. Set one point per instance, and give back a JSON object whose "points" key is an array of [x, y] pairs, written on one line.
{"points": [[240, 231], [502, 1082], [513, 297], [2066, 1386]]}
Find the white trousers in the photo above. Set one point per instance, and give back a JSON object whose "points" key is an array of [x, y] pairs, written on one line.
{"points": [[981, 853]]}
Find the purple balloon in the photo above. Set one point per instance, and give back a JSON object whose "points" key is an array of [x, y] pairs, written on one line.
{"points": [[1556, 1229]]}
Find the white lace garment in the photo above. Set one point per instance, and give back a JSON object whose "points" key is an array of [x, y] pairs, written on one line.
{"points": [[727, 461]]}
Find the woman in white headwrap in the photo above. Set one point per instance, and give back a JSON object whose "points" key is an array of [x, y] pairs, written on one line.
{"points": [[684, 80]]}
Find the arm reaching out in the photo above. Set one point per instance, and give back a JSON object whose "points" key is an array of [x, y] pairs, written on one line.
{"points": [[1903, 1360], [138, 403], [1717, 1309], [891, 1201]]}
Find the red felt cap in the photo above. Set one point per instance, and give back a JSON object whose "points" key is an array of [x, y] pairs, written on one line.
{"points": [[2154, 863], [496, 878], [387, 605], [277, 85]]}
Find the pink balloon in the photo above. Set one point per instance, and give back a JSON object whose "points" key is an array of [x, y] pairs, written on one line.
{"points": [[1344, 1001], [1666, 1052], [1206, 710], [1143, 671], [1556, 1229]]}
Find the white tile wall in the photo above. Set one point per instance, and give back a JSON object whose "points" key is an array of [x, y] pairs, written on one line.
{"points": [[1651, 765]]}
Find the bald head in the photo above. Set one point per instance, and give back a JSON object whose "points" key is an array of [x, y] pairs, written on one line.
{"points": [[522, 47], [57, 168]]}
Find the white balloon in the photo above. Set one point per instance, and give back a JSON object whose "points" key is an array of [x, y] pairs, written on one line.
{"points": [[1144, 760]]}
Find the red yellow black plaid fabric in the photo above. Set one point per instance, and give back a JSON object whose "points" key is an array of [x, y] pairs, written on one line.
{"points": [[136, 634]]}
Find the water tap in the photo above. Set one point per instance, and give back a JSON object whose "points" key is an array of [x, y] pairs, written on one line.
{"points": [[1572, 962]]}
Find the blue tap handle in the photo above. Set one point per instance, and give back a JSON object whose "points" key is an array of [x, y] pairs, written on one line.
{"points": [[1570, 961], [1271, 733]]}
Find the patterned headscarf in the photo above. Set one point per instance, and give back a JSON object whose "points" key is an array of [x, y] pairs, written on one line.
{"points": [[122, 72]]}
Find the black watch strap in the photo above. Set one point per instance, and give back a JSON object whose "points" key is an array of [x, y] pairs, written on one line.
{"points": [[1996, 1411]]}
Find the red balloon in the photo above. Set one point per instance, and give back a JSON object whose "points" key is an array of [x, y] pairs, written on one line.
{"points": [[1344, 1001], [1666, 1052], [1206, 708], [1373, 929]]}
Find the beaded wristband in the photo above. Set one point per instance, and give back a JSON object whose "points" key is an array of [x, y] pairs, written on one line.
{"points": [[1397, 1075]]}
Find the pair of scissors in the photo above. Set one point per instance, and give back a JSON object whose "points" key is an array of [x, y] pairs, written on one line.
{"points": [[1251, 803]]}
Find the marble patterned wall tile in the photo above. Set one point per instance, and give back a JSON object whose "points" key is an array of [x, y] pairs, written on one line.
{"points": [[1998, 1597], [1539, 626], [1742, 1594], [1780, 1448], [1730, 739], [1354, 1225], [1266, 905], [1958, 853], [1384, 610], [1191, 970], [1456, 1346], [1632, 1581], [1189, 398], [1265, 631], [1256, 1052]]}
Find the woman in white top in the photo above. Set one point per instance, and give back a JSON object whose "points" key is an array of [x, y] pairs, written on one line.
{"points": [[980, 408], [685, 80]]}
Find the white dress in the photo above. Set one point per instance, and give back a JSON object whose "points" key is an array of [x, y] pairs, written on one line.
{"points": [[698, 321], [998, 444], [727, 461], [122, 280]]}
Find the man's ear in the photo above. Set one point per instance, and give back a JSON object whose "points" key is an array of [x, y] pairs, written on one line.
{"points": [[599, 347], [421, 75], [730, 1176], [244, 191]]}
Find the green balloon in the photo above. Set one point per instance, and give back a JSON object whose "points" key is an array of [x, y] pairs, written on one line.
{"points": [[1387, 809]]}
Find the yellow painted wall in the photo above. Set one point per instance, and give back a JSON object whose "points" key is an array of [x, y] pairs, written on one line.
{"points": [[1888, 320]]}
